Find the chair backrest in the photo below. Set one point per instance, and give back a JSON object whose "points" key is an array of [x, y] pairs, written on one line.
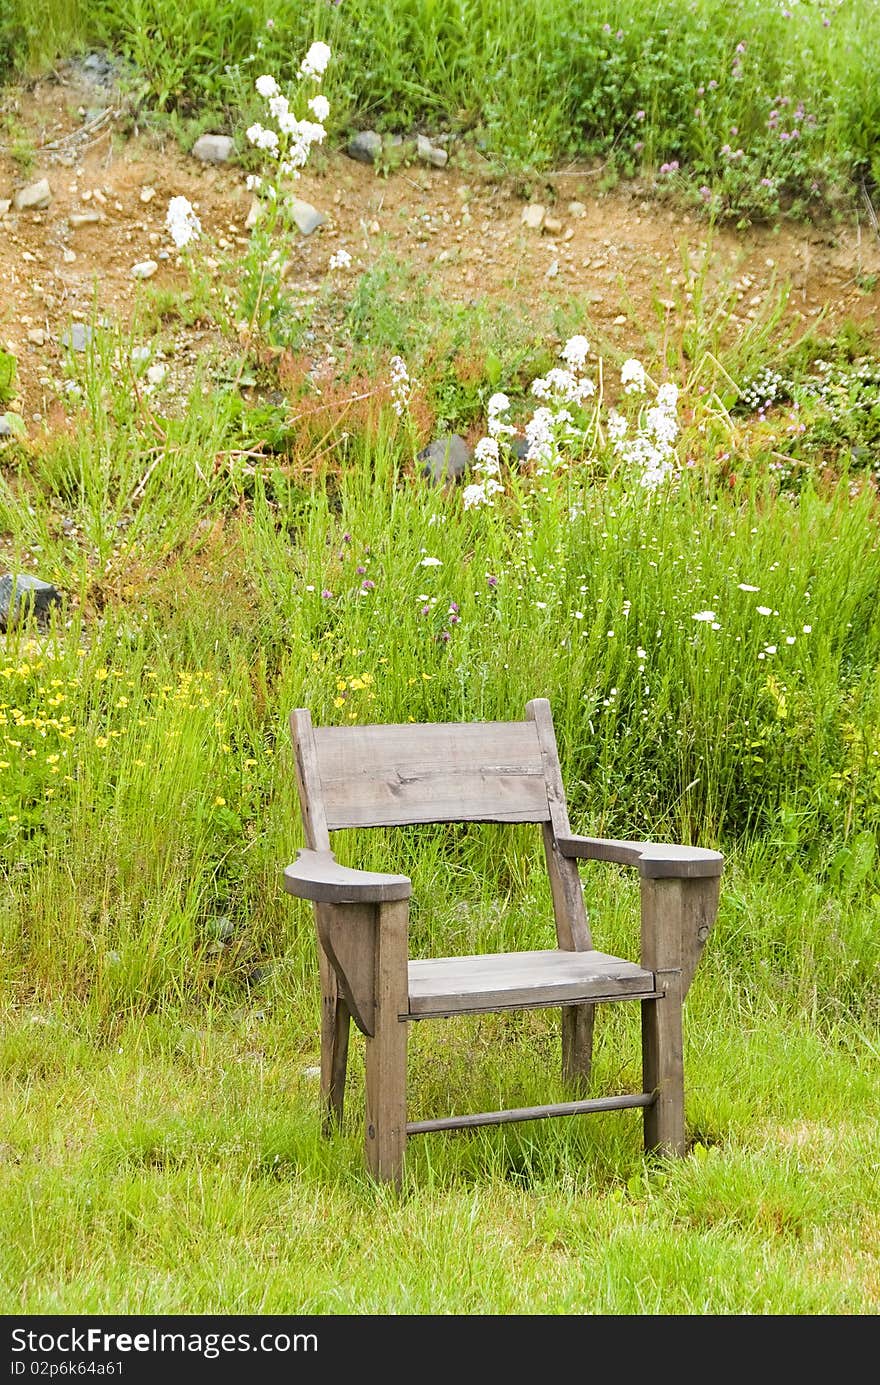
{"points": [[397, 775]]}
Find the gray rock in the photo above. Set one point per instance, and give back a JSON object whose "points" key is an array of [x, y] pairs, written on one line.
{"points": [[78, 338], [20, 594], [213, 149], [445, 459], [5, 428], [307, 217], [34, 197], [98, 67], [519, 447], [365, 146], [430, 154], [144, 269]]}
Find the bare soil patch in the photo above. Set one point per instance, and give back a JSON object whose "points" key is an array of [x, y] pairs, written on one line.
{"points": [[622, 253]]}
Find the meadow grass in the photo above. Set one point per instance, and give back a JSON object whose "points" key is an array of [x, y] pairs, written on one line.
{"points": [[159, 1120]]}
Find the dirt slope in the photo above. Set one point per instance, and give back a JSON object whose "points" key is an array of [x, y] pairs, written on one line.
{"points": [[619, 252]]}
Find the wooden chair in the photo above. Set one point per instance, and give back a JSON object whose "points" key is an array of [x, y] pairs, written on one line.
{"points": [[502, 772]]}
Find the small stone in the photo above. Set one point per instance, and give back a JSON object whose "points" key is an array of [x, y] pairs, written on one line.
{"points": [[36, 336], [577, 209], [620, 320], [253, 215], [78, 338], [429, 153], [22, 593], [374, 228], [365, 146], [533, 215], [213, 149], [307, 217], [80, 219], [147, 194], [156, 373], [5, 427], [552, 270], [140, 355], [552, 225], [445, 459], [33, 197], [99, 196], [69, 256], [5, 204], [144, 269]]}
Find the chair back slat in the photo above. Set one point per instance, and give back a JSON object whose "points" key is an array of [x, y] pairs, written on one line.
{"points": [[397, 775]]}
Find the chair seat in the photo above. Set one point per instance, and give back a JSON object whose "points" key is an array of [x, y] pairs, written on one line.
{"points": [[442, 986]]}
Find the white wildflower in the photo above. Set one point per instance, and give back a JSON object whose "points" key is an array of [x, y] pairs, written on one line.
{"points": [[314, 64], [263, 139], [401, 385], [617, 426], [632, 376], [181, 221], [486, 457], [575, 351], [340, 260], [746, 587], [667, 396], [267, 86], [320, 107], [763, 610], [704, 615], [279, 106], [498, 405], [431, 562]]}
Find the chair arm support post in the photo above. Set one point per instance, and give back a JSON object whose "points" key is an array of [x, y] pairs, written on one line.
{"points": [[676, 918]]}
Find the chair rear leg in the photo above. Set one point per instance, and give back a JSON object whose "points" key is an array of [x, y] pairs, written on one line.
{"points": [[663, 1070], [335, 1028], [577, 1047]]}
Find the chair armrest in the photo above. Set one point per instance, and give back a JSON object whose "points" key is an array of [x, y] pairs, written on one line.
{"points": [[655, 860], [318, 876]]}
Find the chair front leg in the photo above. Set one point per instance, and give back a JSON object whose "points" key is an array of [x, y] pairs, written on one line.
{"points": [[664, 906], [385, 1057]]}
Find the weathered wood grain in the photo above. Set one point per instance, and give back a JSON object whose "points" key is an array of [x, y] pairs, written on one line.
{"points": [[318, 876], [531, 1113], [569, 909], [381, 776], [385, 1058], [520, 980], [655, 860], [662, 1038]]}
